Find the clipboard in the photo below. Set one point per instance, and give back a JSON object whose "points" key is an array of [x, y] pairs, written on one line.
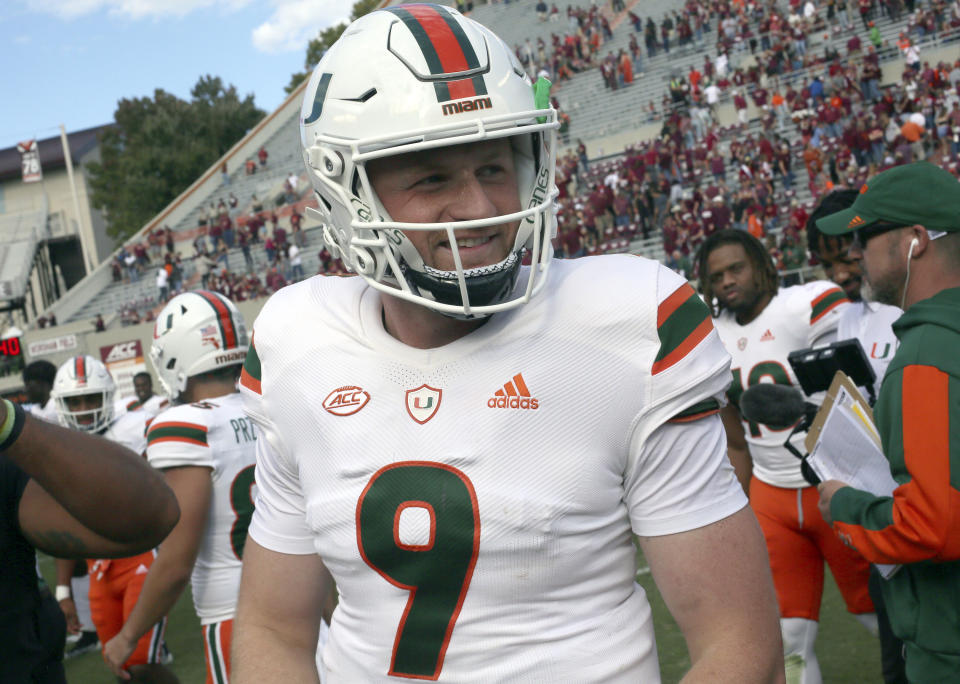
{"points": [[841, 384]]}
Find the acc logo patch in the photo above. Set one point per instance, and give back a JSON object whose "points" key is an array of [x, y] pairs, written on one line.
{"points": [[423, 402], [742, 343], [345, 401]]}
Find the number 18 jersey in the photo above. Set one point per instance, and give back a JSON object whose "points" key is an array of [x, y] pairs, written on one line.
{"points": [[796, 318], [213, 434]]}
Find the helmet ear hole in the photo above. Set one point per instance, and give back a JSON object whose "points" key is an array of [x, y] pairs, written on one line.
{"points": [[171, 363]]}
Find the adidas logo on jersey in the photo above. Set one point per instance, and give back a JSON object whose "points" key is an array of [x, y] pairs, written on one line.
{"points": [[767, 336], [514, 395]]}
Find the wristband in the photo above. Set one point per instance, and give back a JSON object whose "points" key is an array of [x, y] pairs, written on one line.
{"points": [[12, 425], [62, 592]]}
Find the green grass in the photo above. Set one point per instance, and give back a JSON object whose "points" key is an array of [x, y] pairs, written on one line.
{"points": [[183, 639], [847, 652]]}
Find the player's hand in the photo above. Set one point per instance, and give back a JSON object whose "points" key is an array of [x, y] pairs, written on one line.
{"points": [[827, 490], [116, 652], [69, 609]]}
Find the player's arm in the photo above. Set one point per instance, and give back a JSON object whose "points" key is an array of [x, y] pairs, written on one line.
{"points": [[88, 497], [737, 450], [716, 583], [171, 569], [278, 616], [919, 521]]}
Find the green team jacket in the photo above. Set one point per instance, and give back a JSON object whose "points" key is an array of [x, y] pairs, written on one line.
{"points": [[918, 416]]}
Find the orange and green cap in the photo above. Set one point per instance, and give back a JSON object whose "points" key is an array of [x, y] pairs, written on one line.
{"points": [[919, 193]]}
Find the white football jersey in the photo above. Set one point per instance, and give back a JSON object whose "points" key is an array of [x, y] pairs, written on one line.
{"points": [[797, 317], [872, 324], [214, 434], [152, 406], [47, 412], [129, 429], [476, 502]]}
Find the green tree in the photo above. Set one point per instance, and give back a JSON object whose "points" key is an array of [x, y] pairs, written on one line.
{"points": [[160, 145], [325, 39]]}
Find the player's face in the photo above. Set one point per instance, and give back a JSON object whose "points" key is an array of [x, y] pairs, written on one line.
{"points": [[84, 404], [143, 388], [457, 183], [840, 267], [732, 278], [37, 391]]}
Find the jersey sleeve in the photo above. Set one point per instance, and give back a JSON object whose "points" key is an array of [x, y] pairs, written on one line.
{"points": [[178, 437], [690, 373], [681, 479], [678, 476], [279, 518], [822, 303]]}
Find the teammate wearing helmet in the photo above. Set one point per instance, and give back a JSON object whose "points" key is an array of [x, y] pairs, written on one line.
{"points": [[205, 446], [84, 394], [467, 452]]}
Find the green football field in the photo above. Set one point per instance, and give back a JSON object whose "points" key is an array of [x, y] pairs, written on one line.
{"points": [[847, 652]]}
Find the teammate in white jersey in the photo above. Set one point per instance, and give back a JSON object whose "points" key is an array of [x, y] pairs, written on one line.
{"points": [[865, 320], [872, 324], [145, 400], [205, 446], [467, 451], [760, 324], [83, 392]]}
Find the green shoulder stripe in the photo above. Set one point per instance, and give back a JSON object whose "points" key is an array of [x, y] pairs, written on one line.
{"points": [[177, 432], [252, 363], [825, 302], [250, 375], [698, 410], [683, 324]]}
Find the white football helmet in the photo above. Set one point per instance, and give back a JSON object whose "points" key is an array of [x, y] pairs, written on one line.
{"points": [[417, 77], [196, 332], [82, 376]]}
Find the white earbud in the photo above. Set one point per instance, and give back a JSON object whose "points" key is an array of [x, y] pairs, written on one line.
{"points": [[906, 281]]}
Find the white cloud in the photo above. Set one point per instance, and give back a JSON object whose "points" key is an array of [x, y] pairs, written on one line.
{"points": [[295, 22], [134, 9]]}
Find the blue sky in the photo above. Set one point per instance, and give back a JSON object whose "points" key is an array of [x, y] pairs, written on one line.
{"points": [[70, 61]]}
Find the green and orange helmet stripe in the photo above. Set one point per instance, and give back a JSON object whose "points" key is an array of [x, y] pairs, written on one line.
{"points": [[80, 368], [229, 334], [446, 49]]}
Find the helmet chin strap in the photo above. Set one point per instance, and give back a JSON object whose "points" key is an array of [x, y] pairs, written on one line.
{"points": [[486, 285]]}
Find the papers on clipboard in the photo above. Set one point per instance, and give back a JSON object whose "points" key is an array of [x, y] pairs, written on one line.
{"points": [[844, 445]]}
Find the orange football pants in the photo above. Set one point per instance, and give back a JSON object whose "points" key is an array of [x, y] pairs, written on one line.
{"points": [[798, 542], [114, 589]]}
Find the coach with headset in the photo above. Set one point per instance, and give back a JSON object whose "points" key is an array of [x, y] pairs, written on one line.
{"points": [[906, 234]]}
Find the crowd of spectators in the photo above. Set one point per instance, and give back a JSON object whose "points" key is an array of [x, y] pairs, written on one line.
{"points": [[697, 177], [271, 240]]}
